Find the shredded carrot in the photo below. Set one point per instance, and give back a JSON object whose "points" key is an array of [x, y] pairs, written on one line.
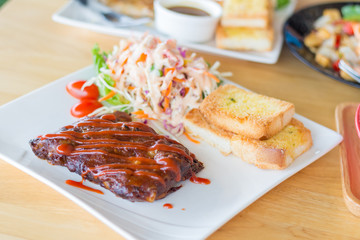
{"points": [[145, 116], [190, 138], [166, 103], [118, 66], [127, 47], [139, 112], [186, 90], [141, 115], [118, 77], [178, 80], [209, 74], [167, 91], [168, 70], [107, 96], [212, 76], [112, 70], [131, 87], [124, 62], [142, 58]]}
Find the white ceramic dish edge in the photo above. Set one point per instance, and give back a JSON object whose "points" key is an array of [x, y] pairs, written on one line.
{"points": [[206, 231], [70, 14]]}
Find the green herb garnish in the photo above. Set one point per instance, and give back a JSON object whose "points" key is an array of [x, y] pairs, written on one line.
{"points": [[282, 3]]}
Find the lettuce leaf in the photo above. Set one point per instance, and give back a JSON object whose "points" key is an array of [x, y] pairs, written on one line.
{"points": [[104, 90], [99, 60], [351, 12]]}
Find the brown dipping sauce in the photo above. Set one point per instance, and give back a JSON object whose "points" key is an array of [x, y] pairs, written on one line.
{"points": [[189, 11]]}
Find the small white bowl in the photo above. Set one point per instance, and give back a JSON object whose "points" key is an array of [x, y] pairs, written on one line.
{"points": [[185, 27]]}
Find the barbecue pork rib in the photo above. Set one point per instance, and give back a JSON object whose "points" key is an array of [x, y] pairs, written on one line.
{"points": [[128, 158]]}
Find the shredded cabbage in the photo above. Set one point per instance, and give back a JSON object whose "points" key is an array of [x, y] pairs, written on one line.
{"points": [[154, 79]]}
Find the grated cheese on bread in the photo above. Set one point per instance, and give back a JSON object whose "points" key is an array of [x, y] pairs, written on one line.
{"points": [[196, 125], [277, 152], [246, 113]]}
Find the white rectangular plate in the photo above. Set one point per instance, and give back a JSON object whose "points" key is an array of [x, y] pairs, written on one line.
{"points": [[234, 183], [74, 14]]}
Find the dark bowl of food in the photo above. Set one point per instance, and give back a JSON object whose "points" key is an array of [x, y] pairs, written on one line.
{"points": [[321, 35]]}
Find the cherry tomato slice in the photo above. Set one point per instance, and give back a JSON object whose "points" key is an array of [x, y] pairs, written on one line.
{"points": [[89, 92], [348, 29], [336, 66], [337, 41], [85, 107]]}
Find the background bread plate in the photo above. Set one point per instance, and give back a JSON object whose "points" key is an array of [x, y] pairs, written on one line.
{"points": [[207, 207], [299, 25], [74, 14]]}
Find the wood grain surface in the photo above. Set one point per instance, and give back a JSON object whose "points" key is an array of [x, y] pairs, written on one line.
{"points": [[35, 50]]}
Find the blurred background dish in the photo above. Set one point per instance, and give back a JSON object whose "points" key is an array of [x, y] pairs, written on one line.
{"points": [[187, 20], [115, 18], [74, 14], [132, 8], [246, 25], [300, 25], [350, 70]]}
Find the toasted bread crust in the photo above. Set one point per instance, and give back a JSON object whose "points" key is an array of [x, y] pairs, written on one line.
{"points": [[260, 21], [195, 124], [245, 38], [245, 13], [269, 155], [249, 123]]}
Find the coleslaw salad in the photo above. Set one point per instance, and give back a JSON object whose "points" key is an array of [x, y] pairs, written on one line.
{"points": [[153, 80]]}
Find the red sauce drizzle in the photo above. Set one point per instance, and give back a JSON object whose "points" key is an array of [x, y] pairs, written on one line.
{"points": [[168, 206], [82, 186], [109, 142], [199, 180], [110, 117], [151, 175], [65, 149]]}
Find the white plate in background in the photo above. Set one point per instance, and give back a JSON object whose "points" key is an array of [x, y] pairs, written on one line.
{"points": [[74, 14], [234, 184]]}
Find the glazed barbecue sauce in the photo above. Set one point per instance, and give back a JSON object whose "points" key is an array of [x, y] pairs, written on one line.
{"points": [[82, 186], [168, 205], [100, 142], [199, 180], [65, 149]]}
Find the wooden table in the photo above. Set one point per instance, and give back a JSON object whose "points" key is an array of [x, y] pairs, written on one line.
{"points": [[35, 51]]}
